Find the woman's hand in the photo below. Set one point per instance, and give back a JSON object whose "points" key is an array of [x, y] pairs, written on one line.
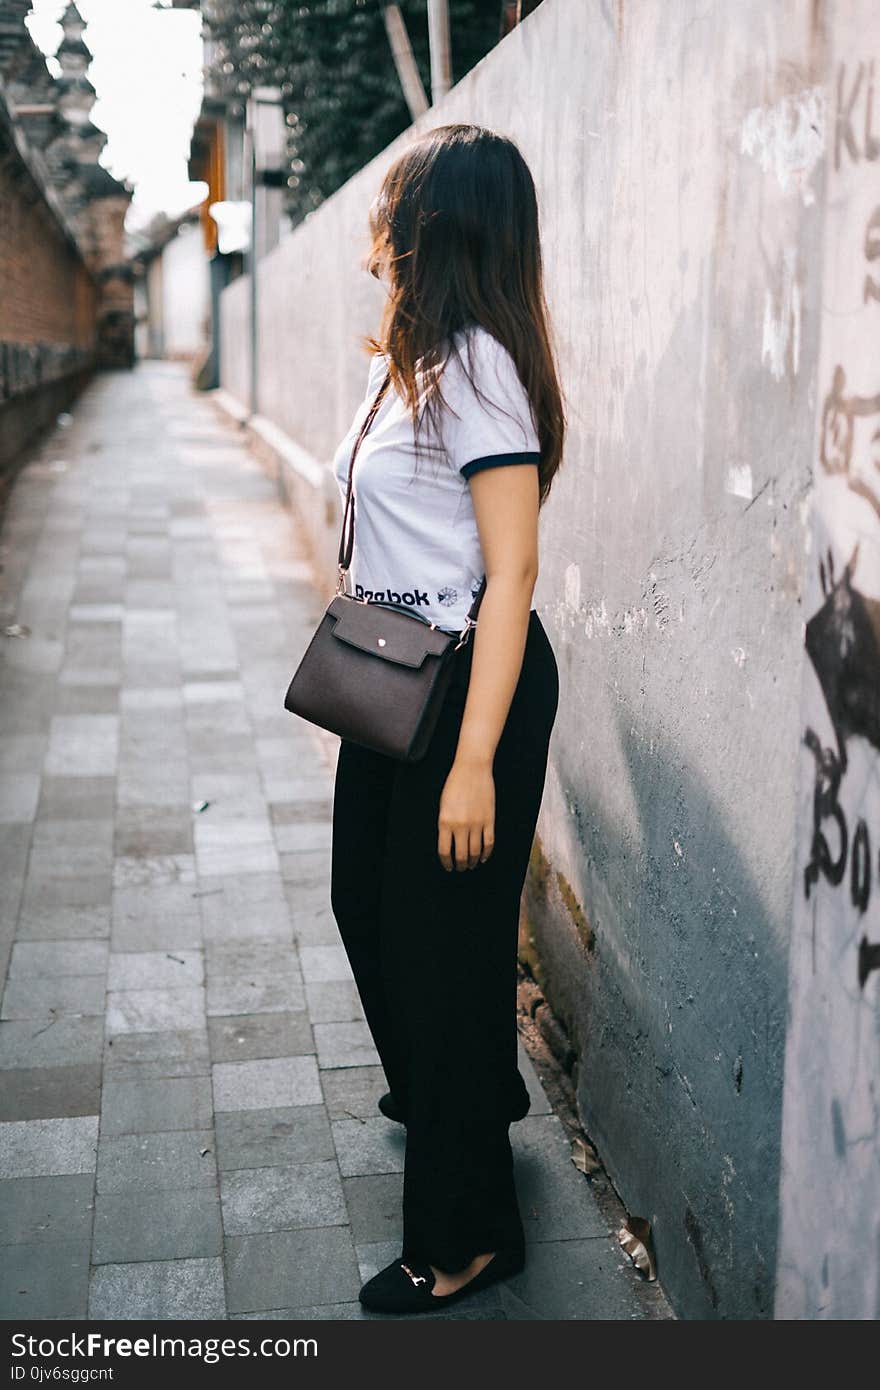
{"points": [[466, 822]]}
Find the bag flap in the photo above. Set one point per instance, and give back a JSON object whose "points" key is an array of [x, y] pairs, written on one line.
{"points": [[386, 632]]}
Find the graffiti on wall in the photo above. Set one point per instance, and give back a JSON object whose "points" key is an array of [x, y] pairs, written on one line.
{"points": [[843, 636], [843, 644], [829, 1239]]}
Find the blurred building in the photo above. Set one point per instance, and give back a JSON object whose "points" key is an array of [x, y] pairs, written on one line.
{"points": [[217, 158], [172, 289], [66, 296]]}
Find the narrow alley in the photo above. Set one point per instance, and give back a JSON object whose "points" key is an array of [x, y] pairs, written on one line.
{"points": [[189, 1123]]}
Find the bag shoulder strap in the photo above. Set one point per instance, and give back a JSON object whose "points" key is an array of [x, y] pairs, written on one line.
{"points": [[346, 539], [346, 542]]}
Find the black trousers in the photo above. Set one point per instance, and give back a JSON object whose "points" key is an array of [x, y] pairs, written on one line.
{"points": [[433, 954]]}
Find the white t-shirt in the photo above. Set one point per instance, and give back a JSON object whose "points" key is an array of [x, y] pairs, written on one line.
{"points": [[416, 544]]}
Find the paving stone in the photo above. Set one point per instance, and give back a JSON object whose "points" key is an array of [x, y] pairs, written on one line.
{"points": [[252, 906], [42, 1210], [141, 1226], [140, 670], [236, 995], [375, 1207], [36, 1093], [13, 857], [155, 917], [101, 564], [155, 969], [43, 1148], [135, 871], [248, 851], [81, 675], [369, 1146], [47, 894], [554, 1198], [68, 875], [19, 793], [320, 963], [155, 1010], [69, 798], [273, 1137], [44, 918], [230, 794], [50, 998], [158, 1290], [150, 1105], [21, 753], [344, 1045], [299, 812], [329, 1312], [212, 692], [87, 699], [334, 1001], [238, 753], [51, 959], [67, 1041], [296, 837], [313, 868], [259, 1085], [352, 1093], [146, 782], [539, 1102], [45, 1280], [259, 960], [284, 1268], [153, 830], [291, 755], [73, 847], [291, 788], [282, 1198], [171, 1052], [158, 697], [96, 612], [38, 655], [242, 1038], [174, 1160], [82, 745], [310, 911], [589, 1280]]}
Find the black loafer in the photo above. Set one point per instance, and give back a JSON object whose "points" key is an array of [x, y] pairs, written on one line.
{"points": [[405, 1287], [392, 1111]]}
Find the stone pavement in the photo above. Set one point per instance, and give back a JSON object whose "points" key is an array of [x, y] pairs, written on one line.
{"points": [[188, 1122]]}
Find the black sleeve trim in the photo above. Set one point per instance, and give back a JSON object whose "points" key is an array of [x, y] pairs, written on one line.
{"points": [[494, 460]]}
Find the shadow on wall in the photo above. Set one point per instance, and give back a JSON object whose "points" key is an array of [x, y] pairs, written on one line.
{"points": [[675, 998]]}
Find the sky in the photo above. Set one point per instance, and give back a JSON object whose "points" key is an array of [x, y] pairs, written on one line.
{"points": [[147, 70]]}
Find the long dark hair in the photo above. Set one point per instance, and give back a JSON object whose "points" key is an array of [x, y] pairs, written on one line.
{"points": [[455, 224]]}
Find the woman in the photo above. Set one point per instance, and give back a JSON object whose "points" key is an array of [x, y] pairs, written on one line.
{"points": [[429, 858]]}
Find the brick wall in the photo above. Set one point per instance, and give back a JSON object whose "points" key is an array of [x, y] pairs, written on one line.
{"points": [[47, 307]]}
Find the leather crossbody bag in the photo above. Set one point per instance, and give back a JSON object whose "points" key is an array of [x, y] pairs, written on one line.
{"points": [[373, 673]]}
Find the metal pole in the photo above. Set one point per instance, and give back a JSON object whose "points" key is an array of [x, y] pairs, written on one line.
{"points": [[252, 258], [407, 68], [438, 40]]}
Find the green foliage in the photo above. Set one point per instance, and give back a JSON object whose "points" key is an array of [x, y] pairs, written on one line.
{"points": [[332, 60]]}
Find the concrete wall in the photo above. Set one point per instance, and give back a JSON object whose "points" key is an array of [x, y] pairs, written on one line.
{"points": [[186, 294], [829, 1247], [235, 335], [680, 153]]}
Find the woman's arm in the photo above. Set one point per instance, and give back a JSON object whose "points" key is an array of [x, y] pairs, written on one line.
{"points": [[506, 504]]}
